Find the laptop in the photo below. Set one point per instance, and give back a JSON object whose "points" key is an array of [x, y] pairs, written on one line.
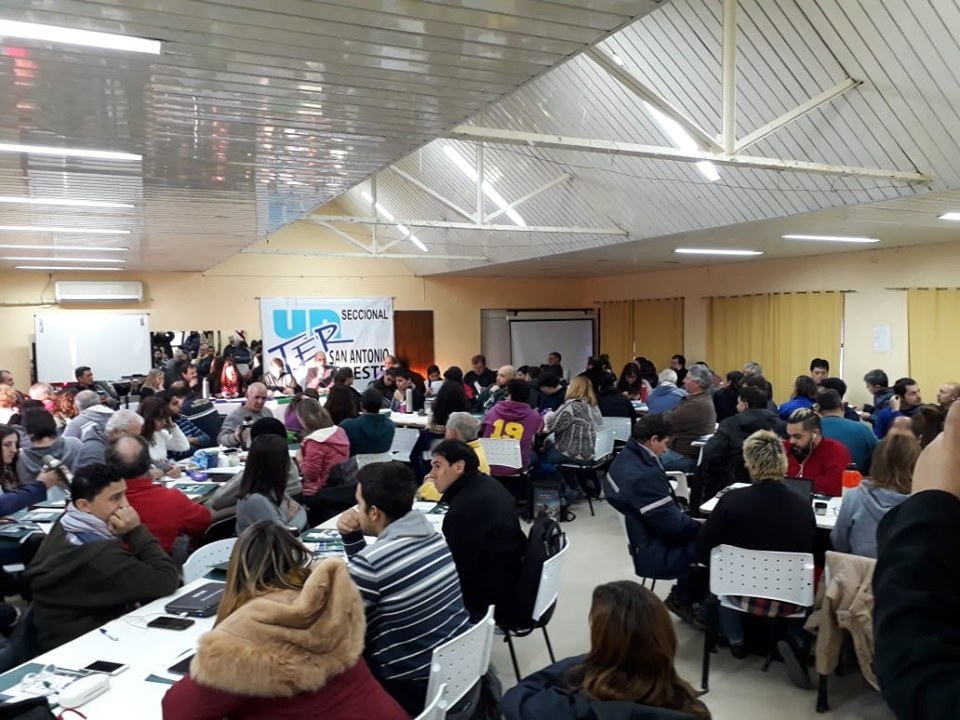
{"points": [[202, 602], [801, 486]]}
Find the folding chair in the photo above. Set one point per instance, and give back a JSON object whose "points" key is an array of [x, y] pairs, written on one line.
{"points": [[459, 663], [602, 452], [204, 559], [433, 711], [404, 440], [643, 580], [505, 453]]}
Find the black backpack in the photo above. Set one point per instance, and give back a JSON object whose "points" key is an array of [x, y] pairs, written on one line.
{"points": [[546, 539]]}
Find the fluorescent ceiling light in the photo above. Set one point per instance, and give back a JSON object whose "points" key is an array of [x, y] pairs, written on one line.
{"points": [[832, 238], [71, 36], [64, 248], [955, 216], [68, 152], [70, 259], [64, 267], [407, 235], [54, 229], [715, 251], [62, 202], [467, 169], [683, 140]]}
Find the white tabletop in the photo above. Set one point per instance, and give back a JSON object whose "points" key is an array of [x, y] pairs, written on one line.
{"points": [[824, 522], [225, 407], [436, 519], [146, 650], [409, 419]]}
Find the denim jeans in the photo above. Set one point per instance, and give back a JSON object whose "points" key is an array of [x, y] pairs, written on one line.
{"points": [[672, 460]]}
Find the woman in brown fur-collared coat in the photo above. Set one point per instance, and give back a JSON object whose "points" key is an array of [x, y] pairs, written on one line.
{"points": [[287, 643]]}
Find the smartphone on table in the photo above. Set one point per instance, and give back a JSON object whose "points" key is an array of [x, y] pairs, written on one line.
{"points": [[170, 623]]}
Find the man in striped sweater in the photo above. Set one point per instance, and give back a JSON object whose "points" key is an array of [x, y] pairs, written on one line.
{"points": [[407, 578]]}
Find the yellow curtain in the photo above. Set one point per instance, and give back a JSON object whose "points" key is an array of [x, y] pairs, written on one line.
{"points": [[934, 343], [658, 329], [616, 332], [782, 332]]}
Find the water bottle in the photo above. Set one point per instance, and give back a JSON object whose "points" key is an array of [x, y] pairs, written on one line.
{"points": [[245, 439], [206, 388], [408, 400], [851, 478]]}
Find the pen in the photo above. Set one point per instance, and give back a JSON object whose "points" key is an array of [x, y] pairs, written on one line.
{"points": [[104, 631]]}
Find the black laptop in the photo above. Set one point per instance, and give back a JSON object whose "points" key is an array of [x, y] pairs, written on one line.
{"points": [[202, 602], [801, 486]]}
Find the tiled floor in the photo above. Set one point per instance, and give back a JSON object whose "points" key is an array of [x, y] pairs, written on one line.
{"points": [[739, 690]]}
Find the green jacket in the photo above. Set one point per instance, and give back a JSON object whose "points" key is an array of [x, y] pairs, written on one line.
{"points": [[78, 588]]}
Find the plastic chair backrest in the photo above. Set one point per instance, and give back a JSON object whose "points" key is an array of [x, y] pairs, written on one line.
{"points": [[204, 559], [503, 453], [372, 458], [433, 711], [550, 578], [604, 446], [683, 489], [460, 662], [787, 577], [622, 427], [404, 440]]}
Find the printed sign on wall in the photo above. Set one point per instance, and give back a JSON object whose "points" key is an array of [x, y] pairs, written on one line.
{"points": [[355, 333]]}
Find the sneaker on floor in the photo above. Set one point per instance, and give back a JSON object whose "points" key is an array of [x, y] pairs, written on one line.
{"points": [[684, 611], [796, 666], [739, 650]]}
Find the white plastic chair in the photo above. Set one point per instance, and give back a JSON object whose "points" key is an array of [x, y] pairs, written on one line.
{"points": [[404, 439], [547, 593], [373, 458], [622, 427], [503, 453], [205, 558], [458, 664], [602, 451], [785, 577], [433, 711], [682, 489]]}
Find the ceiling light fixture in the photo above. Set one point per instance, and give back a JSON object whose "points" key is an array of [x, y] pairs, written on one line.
{"points": [[64, 267], [407, 235], [683, 140], [68, 152], [832, 238], [467, 169], [715, 251], [55, 229], [62, 202], [59, 259], [72, 36], [64, 248], [954, 216]]}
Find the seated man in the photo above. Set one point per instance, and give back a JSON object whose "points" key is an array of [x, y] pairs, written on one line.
{"points": [[495, 393], [766, 516], [407, 579], [196, 437], [198, 410], [482, 530], [90, 411], [947, 395], [165, 512], [277, 380], [320, 375], [666, 395], [660, 534], [403, 381], [857, 436], [813, 456], [97, 563], [95, 438], [694, 417], [370, 432], [877, 384], [906, 402], [835, 383], [551, 392], [514, 419], [465, 427], [253, 409], [480, 374], [186, 372], [85, 381]]}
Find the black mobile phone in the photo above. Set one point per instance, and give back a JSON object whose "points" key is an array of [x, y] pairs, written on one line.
{"points": [[105, 667], [170, 623], [182, 667]]}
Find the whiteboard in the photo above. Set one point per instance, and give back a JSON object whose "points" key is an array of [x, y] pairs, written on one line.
{"points": [[112, 344], [532, 340]]}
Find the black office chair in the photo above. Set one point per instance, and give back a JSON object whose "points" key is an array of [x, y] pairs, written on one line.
{"points": [[219, 530]]}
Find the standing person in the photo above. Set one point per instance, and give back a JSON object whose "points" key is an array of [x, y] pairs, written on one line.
{"points": [[804, 396], [287, 642], [628, 673], [324, 446], [41, 428], [906, 402], [262, 494], [819, 370], [811, 455], [678, 363]]}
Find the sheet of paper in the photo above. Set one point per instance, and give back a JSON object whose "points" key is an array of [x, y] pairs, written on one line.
{"points": [[881, 338]]}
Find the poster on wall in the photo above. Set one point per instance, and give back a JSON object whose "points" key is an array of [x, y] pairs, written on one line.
{"points": [[355, 333]]}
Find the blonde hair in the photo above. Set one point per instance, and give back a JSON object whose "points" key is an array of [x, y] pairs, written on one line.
{"points": [[893, 462], [313, 416], [581, 387], [764, 456], [154, 379]]}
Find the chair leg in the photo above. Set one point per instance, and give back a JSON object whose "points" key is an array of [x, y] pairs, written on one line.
{"points": [[653, 585], [590, 503], [709, 641], [822, 703], [549, 646], [513, 655]]}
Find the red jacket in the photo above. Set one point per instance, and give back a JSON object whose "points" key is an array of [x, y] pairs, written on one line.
{"points": [[165, 512], [825, 465], [322, 450]]}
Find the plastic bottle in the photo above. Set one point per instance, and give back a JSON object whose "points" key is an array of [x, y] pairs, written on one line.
{"points": [[408, 400], [206, 389], [245, 439], [851, 478]]}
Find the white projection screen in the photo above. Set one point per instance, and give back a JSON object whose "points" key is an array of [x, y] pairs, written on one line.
{"points": [[532, 340]]}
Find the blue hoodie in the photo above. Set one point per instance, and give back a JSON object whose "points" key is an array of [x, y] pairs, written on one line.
{"points": [[665, 397]]}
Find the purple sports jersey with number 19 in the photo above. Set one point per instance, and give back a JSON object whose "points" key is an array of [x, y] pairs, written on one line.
{"points": [[512, 420]]}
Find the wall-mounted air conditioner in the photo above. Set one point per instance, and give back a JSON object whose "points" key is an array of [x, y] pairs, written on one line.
{"points": [[92, 293]]}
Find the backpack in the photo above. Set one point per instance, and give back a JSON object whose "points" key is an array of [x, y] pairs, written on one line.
{"points": [[546, 539]]}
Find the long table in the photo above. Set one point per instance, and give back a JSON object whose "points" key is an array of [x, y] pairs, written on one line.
{"points": [[824, 522]]}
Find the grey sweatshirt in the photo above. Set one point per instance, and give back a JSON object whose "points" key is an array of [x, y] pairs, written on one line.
{"points": [[257, 507], [861, 511], [65, 449]]}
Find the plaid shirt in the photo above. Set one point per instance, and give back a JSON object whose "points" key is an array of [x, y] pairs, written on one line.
{"points": [[764, 607]]}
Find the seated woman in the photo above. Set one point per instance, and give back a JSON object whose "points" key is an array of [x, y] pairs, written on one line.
{"points": [[161, 433], [804, 396], [16, 497], [324, 445], [862, 509], [288, 641], [574, 426], [629, 671], [262, 493], [631, 384]]}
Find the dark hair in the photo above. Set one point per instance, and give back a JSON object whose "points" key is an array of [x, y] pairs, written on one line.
{"points": [[454, 374], [342, 375], [877, 377], [549, 379], [341, 403], [267, 426], [451, 398], [180, 367], [433, 369], [735, 377], [556, 354], [39, 424], [389, 486], [265, 473], [819, 363], [651, 426], [478, 359], [829, 400], [926, 425], [128, 467], [533, 372], [756, 381], [834, 383], [395, 372], [518, 390], [805, 386], [753, 397], [80, 371], [152, 409], [806, 416], [372, 400], [624, 385], [8, 473], [456, 450], [90, 480], [523, 369], [901, 385], [680, 359]]}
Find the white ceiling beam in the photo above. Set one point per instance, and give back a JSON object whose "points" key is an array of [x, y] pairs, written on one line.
{"points": [[341, 234], [529, 196], [465, 214], [443, 224], [651, 96], [611, 147], [380, 255], [728, 114], [799, 111]]}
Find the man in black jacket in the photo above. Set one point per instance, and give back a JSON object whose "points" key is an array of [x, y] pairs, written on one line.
{"points": [[481, 528], [613, 403], [916, 585]]}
